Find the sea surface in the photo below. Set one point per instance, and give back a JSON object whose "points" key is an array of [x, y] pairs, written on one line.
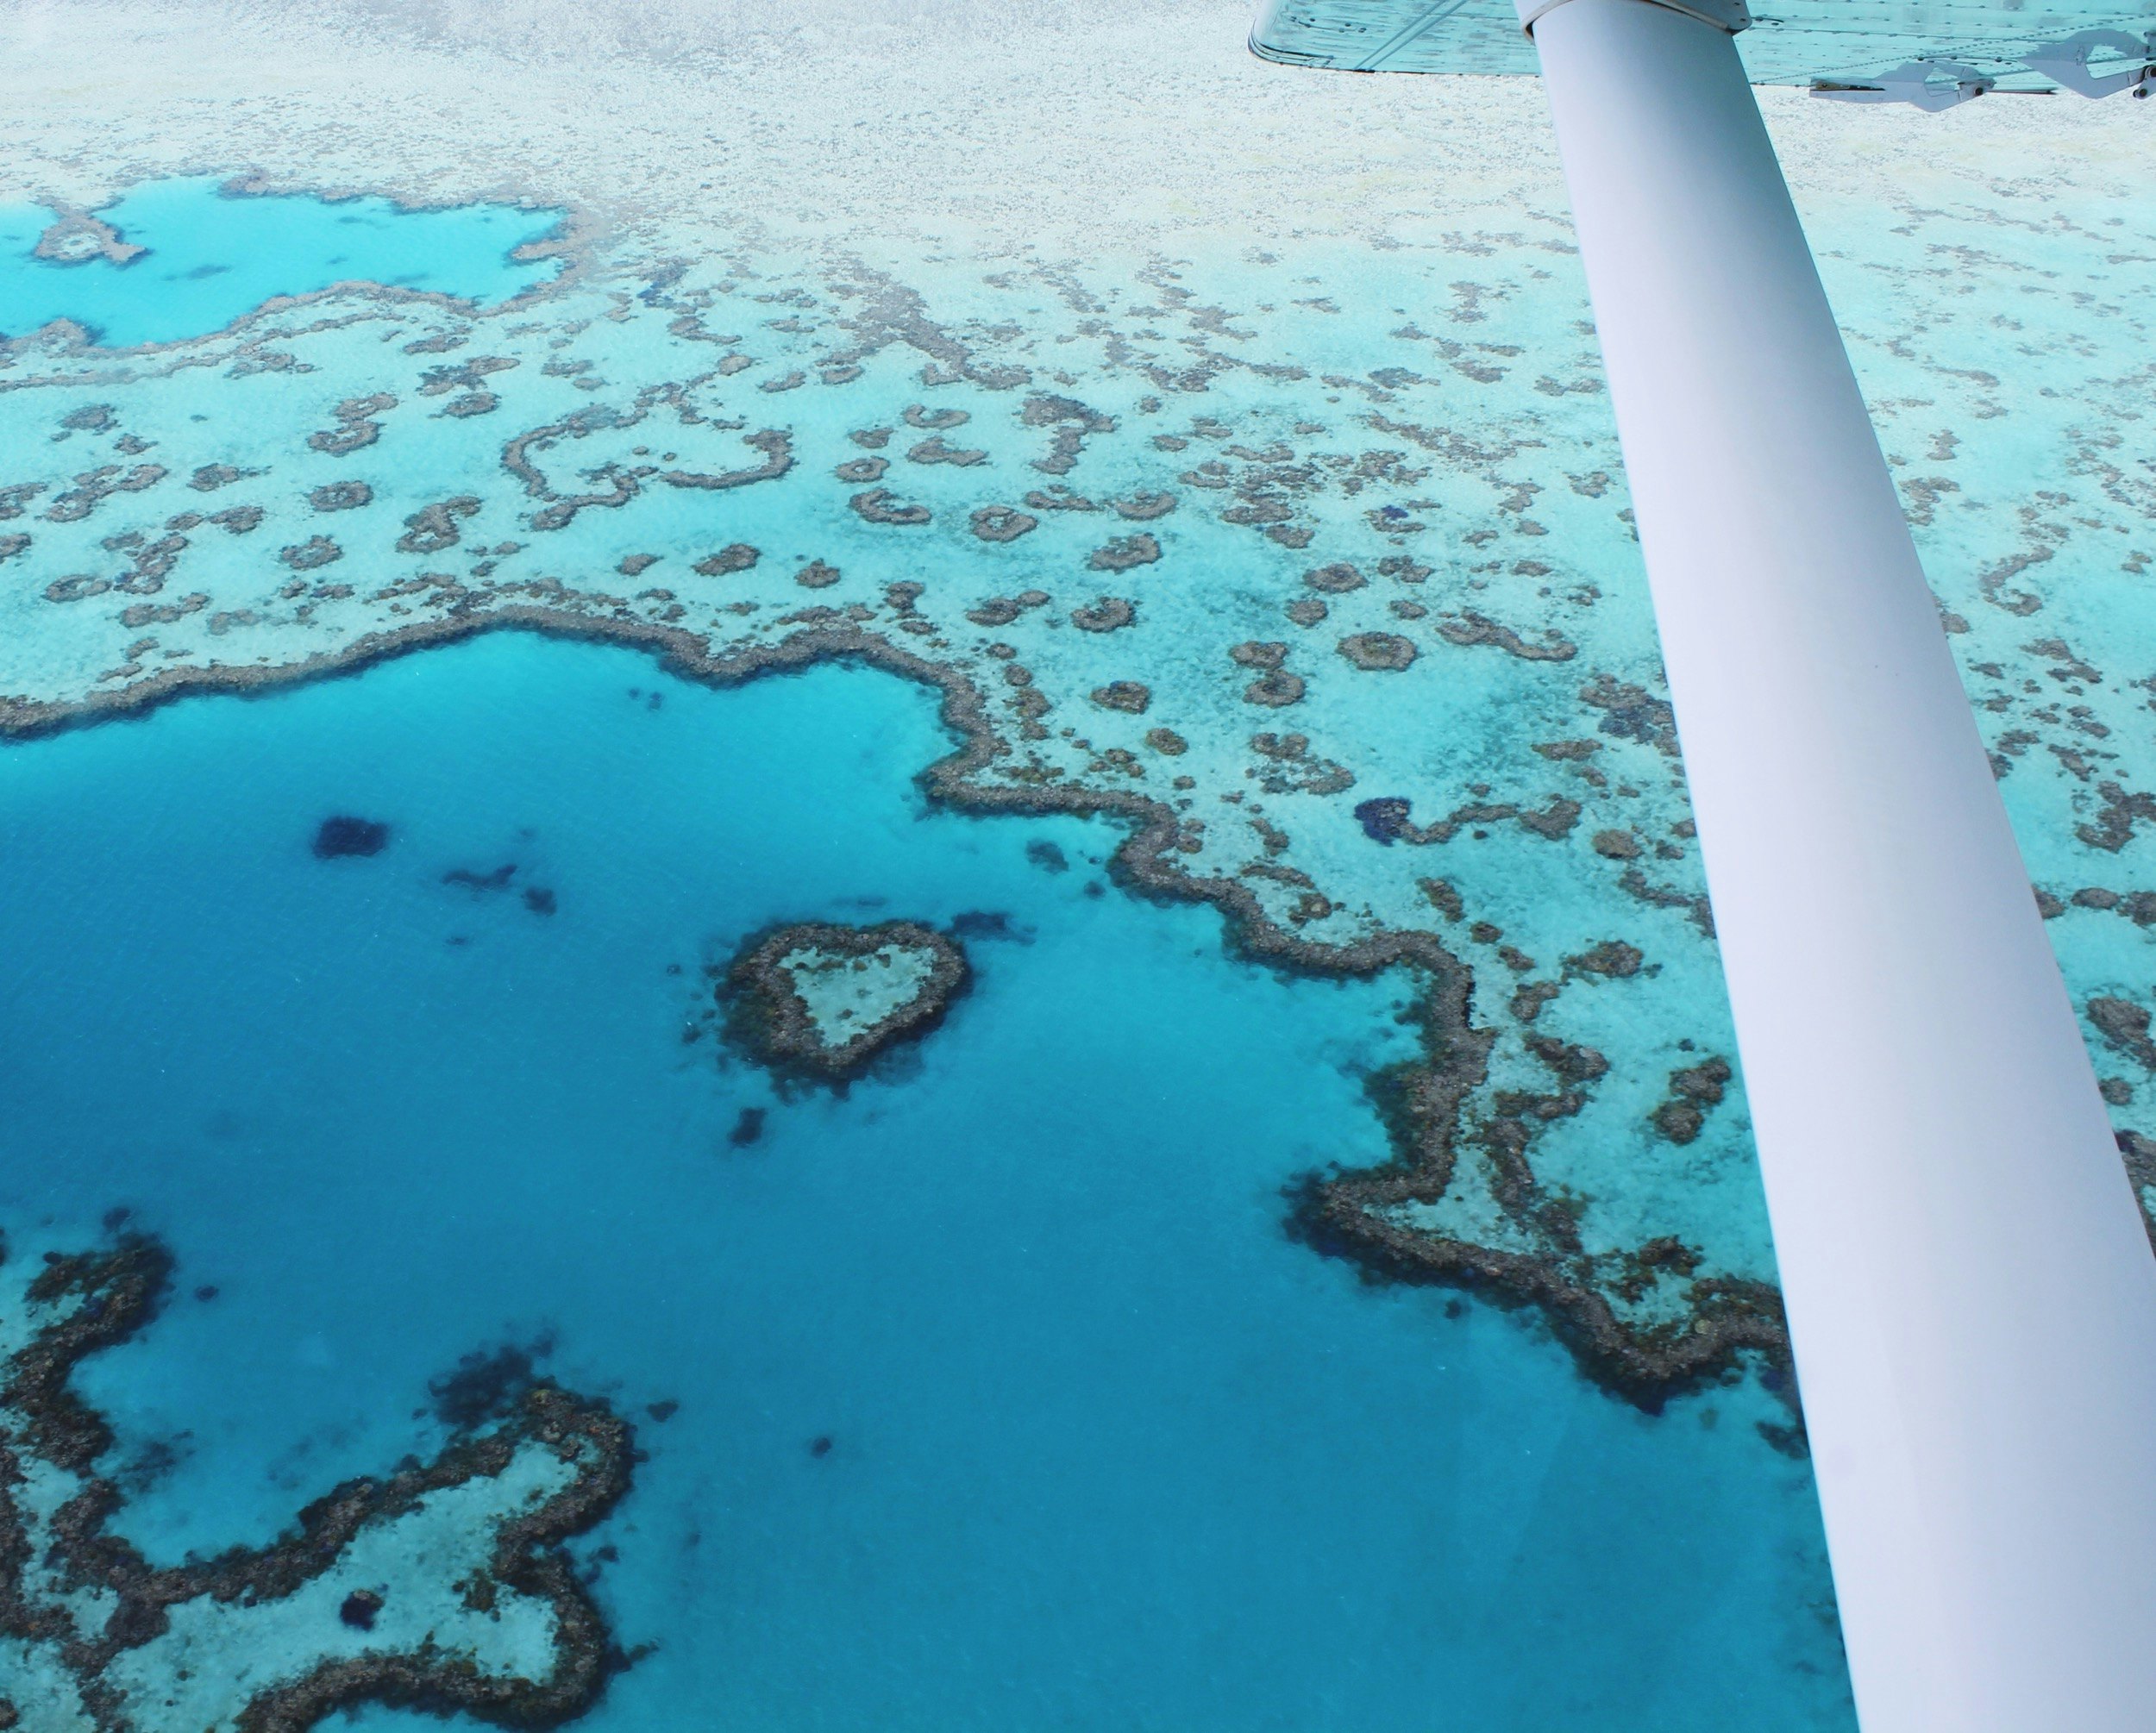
{"points": [[1105, 1450], [212, 252], [472, 575]]}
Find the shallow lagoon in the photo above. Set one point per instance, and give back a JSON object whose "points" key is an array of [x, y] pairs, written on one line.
{"points": [[212, 254], [1107, 1449]]}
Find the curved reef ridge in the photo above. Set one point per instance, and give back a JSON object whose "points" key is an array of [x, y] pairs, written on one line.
{"points": [[668, 454], [1641, 1322], [442, 1587], [1532, 1252], [823, 1000]]}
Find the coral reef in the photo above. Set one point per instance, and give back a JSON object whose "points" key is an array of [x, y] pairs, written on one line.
{"points": [[1412, 548], [442, 1587], [77, 236], [822, 1001], [1534, 1256], [342, 835]]}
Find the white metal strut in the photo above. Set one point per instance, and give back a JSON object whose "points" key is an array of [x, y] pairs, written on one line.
{"points": [[1970, 1288]]}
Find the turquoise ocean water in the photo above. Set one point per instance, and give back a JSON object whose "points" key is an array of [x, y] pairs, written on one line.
{"points": [[991, 1392], [1107, 1450], [211, 255]]}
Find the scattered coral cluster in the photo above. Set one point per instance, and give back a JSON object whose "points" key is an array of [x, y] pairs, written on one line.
{"points": [[1310, 571]]}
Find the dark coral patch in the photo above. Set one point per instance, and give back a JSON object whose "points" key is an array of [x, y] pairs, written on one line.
{"points": [[488, 1383], [1335, 579], [1377, 652], [1107, 613], [1124, 552], [1274, 689], [494, 879], [878, 506], [767, 1018], [735, 556], [1002, 523], [1131, 696], [313, 554], [343, 835], [1384, 819]]}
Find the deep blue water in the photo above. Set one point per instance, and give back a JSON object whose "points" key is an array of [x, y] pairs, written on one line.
{"points": [[213, 256], [1107, 1450]]}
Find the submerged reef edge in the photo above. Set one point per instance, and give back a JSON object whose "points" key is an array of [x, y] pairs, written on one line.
{"points": [[767, 1017], [96, 1300], [1353, 1214]]}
